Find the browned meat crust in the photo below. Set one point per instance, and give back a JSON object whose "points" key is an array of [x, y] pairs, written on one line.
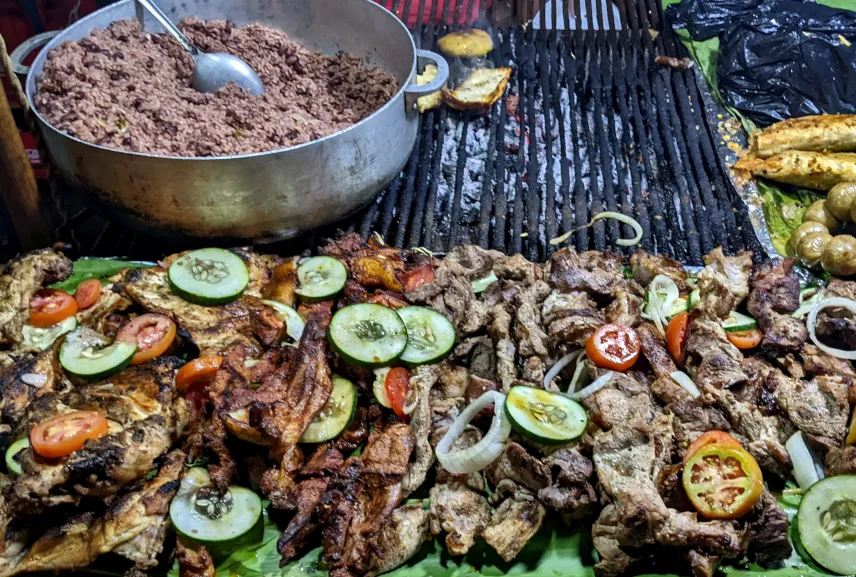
{"points": [[19, 281], [193, 561], [775, 294]]}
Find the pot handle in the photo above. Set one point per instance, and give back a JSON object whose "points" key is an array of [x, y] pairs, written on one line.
{"points": [[436, 84], [26, 47]]}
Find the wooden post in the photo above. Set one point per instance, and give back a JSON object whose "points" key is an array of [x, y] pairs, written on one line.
{"points": [[18, 184]]}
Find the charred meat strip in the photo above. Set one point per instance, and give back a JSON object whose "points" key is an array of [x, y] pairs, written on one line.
{"points": [[775, 294], [723, 283], [646, 266], [711, 358]]}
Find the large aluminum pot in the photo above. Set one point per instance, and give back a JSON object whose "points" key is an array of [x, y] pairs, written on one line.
{"points": [[264, 196]]}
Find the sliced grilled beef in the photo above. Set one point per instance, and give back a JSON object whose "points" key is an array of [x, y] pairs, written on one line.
{"points": [[646, 266], [775, 294], [723, 283]]}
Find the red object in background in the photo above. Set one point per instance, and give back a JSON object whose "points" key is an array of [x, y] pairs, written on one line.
{"points": [[460, 11]]}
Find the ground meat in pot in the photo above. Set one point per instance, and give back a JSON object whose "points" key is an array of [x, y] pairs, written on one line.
{"points": [[127, 89]]}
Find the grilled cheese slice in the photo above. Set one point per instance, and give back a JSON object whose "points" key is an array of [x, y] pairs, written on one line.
{"points": [[471, 43], [429, 101], [480, 90]]}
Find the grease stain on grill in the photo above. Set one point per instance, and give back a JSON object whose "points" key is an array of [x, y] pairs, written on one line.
{"points": [[589, 123]]}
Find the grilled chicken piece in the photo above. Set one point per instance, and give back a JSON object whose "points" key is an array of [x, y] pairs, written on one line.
{"points": [[512, 525], [214, 330], [460, 512], [359, 505], [282, 283], [16, 394], [400, 538], [134, 526], [193, 562], [19, 281], [110, 301], [145, 418], [294, 387]]}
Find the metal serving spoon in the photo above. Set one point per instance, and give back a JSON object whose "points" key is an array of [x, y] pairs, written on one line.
{"points": [[210, 71]]}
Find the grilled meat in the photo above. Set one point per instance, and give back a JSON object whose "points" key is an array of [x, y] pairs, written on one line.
{"points": [[711, 358], [134, 526], [723, 283], [359, 504], [98, 316], [646, 266], [145, 417], [460, 512], [775, 294], [570, 491], [19, 281], [16, 394], [400, 538], [597, 273], [571, 318], [193, 562], [512, 524], [214, 330]]}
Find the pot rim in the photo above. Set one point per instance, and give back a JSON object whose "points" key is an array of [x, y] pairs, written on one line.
{"points": [[395, 100]]}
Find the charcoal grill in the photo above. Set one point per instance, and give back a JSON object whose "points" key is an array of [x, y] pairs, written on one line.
{"points": [[599, 126]]}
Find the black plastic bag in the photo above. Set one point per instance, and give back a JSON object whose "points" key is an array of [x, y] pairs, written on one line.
{"points": [[778, 58]]}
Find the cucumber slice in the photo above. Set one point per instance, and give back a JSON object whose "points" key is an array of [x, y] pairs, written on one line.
{"points": [[92, 356], [695, 296], [827, 523], [336, 415], [379, 387], [209, 276], [13, 466], [430, 335], [480, 284], [543, 416], [222, 523], [294, 323], [321, 277], [738, 322], [42, 338], [368, 335]]}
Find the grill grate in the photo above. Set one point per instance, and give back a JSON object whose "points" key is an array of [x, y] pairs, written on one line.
{"points": [[598, 126]]}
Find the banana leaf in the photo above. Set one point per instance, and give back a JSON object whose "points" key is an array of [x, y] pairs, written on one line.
{"points": [[557, 551]]}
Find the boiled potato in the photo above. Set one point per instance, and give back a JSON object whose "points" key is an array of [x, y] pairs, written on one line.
{"points": [[818, 212], [840, 199], [811, 247], [839, 256], [804, 229]]}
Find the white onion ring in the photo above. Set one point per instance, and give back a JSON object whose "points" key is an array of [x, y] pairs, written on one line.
{"points": [[578, 371], [37, 380], [637, 228], [558, 366], [411, 402], [663, 282], [806, 469], [486, 451], [686, 383], [597, 385], [811, 321], [658, 315]]}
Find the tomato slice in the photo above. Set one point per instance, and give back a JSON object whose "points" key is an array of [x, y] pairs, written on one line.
{"points": [[63, 434], [87, 293], [397, 385], [709, 438], [746, 339], [201, 370], [153, 333], [676, 334], [416, 277], [614, 347], [51, 306], [722, 481]]}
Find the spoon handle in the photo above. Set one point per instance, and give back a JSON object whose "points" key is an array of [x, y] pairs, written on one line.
{"points": [[170, 27]]}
